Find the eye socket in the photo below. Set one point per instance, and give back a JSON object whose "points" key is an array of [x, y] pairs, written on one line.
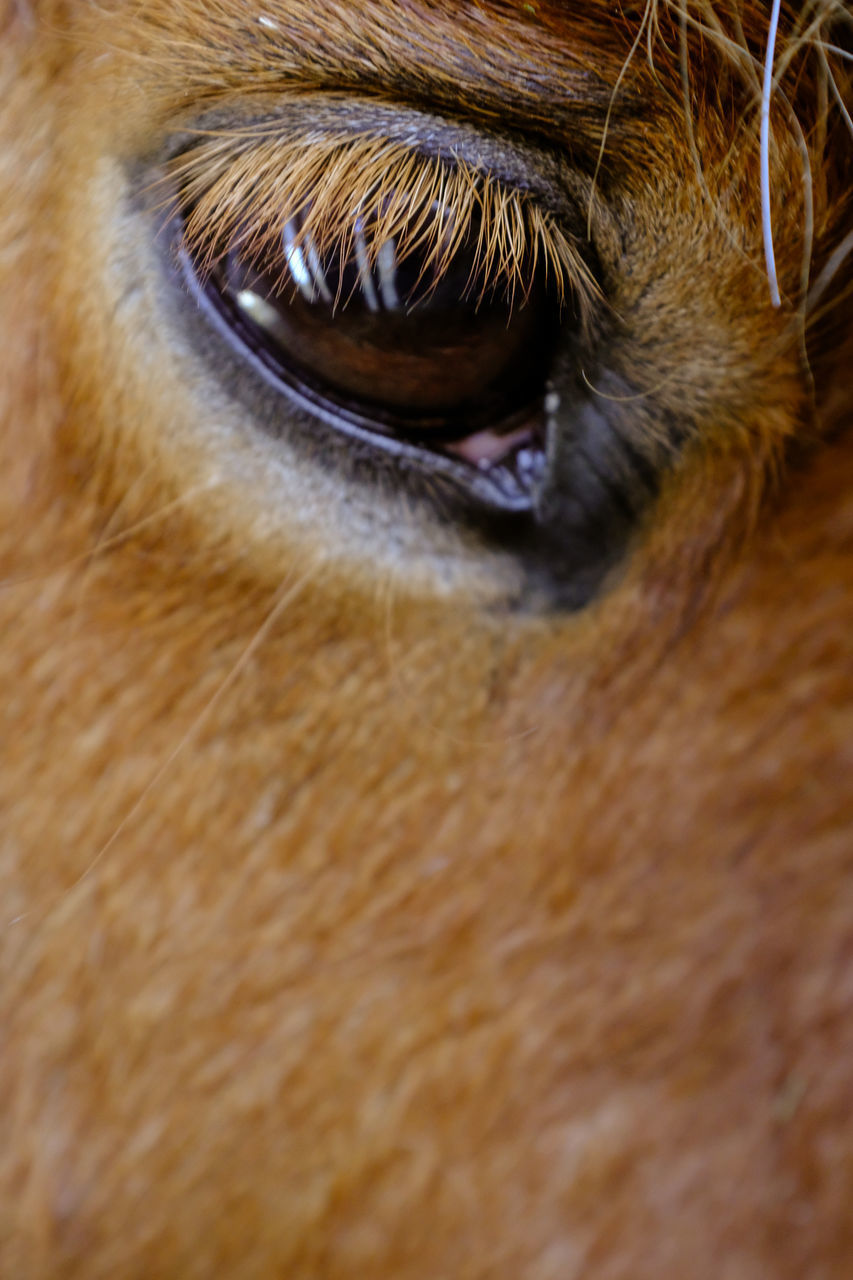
{"points": [[428, 317], [419, 313]]}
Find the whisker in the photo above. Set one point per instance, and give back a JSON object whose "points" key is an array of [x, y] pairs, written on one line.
{"points": [[766, 209], [610, 108], [104, 545]]}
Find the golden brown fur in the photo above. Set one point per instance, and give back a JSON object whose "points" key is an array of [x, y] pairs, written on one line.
{"points": [[353, 924]]}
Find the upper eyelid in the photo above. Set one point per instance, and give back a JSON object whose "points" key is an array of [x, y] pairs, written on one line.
{"points": [[514, 161], [239, 173]]}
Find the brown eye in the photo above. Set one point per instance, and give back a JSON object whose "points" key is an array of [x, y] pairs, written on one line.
{"points": [[421, 352], [416, 348]]}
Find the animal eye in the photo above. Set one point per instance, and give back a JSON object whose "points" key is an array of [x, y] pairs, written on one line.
{"points": [[410, 301], [419, 322], [411, 346]]}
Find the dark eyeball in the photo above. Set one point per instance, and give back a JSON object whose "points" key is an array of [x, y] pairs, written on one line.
{"points": [[416, 348], [423, 353]]}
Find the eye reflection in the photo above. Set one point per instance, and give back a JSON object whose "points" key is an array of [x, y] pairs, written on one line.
{"points": [[384, 279]]}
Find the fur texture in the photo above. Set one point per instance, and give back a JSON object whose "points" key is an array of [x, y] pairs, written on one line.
{"points": [[353, 924]]}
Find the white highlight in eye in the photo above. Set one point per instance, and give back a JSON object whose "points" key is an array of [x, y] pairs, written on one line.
{"points": [[259, 310], [386, 264], [296, 263], [364, 273], [317, 270]]}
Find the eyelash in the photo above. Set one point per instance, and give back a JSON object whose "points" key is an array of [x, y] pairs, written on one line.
{"points": [[239, 189]]}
